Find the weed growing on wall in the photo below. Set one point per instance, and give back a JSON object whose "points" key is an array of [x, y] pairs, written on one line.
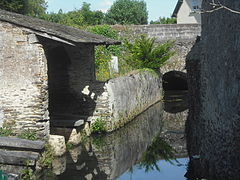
{"points": [[98, 126], [28, 174], [47, 157], [28, 134], [6, 131]]}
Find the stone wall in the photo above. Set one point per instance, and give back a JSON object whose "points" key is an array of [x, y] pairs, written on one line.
{"points": [[213, 125], [23, 92], [126, 97], [164, 32], [42, 79], [183, 35]]}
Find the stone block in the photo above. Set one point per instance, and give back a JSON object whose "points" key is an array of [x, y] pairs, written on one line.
{"points": [[58, 144]]}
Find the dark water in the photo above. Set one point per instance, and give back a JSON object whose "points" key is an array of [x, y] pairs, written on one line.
{"points": [[152, 146]]}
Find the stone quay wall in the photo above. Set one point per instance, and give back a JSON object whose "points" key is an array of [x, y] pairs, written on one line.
{"points": [[126, 97]]}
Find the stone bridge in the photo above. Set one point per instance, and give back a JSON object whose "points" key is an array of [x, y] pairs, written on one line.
{"points": [[184, 37]]}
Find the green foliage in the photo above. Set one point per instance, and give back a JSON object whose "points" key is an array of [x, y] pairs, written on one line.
{"points": [[17, 6], [69, 146], [98, 126], [28, 174], [102, 53], [6, 131], [47, 157], [77, 18], [28, 134], [34, 8], [98, 142], [159, 149], [145, 53], [127, 12], [164, 20]]}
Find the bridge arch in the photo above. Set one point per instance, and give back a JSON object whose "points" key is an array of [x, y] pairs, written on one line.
{"points": [[175, 80]]}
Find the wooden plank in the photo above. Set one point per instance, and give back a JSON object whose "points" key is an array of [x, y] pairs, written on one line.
{"points": [[67, 123], [17, 143], [18, 157]]}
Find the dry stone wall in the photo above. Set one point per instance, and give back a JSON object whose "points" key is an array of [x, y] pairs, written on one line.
{"points": [[23, 92]]}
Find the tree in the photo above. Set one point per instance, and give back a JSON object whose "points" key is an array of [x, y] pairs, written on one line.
{"points": [[76, 18], [35, 8], [91, 17], [127, 12], [17, 6], [164, 20], [27, 7]]}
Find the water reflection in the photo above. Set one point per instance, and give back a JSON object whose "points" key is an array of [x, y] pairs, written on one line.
{"points": [[152, 136], [107, 157], [168, 171], [138, 149], [159, 149]]}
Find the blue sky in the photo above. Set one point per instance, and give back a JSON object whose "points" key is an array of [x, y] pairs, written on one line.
{"points": [[156, 8]]}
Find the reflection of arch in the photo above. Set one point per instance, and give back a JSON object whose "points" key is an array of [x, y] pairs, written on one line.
{"points": [[175, 101], [175, 80]]}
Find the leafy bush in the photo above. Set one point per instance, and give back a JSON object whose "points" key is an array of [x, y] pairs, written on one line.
{"points": [[144, 52], [102, 53]]}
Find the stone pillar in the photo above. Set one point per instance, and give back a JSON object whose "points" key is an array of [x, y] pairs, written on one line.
{"points": [[213, 68]]}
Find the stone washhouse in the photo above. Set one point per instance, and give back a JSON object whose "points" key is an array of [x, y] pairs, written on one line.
{"points": [[47, 72]]}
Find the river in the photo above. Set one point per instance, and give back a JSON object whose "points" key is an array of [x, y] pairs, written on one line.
{"points": [[152, 146]]}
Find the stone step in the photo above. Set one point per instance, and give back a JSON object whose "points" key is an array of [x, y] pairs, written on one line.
{"points": [[18, 157], [23, 144]]}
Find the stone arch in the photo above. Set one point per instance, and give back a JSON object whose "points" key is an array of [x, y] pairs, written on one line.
{"points": [[175, 80]]}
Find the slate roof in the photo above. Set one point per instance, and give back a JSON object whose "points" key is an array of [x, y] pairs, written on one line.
{"points": [[71, 34], [178, 5]]}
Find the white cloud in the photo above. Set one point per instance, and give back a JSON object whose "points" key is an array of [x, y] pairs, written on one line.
{"points": [[105, 5]]}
